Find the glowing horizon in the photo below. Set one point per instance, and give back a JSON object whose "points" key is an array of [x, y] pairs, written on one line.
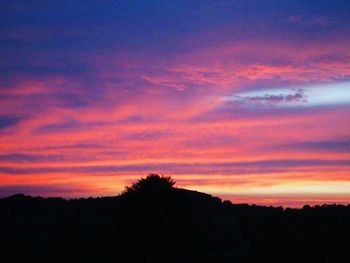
{"points": [[249, 102]]}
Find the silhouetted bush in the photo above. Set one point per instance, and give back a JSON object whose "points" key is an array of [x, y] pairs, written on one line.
{"points": [[152, 183]]}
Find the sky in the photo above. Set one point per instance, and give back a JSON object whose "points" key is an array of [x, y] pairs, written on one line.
{"points": [[246, 100]]}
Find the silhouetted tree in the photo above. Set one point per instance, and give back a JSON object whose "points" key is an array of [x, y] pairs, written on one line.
{"points": [[151, 183]]}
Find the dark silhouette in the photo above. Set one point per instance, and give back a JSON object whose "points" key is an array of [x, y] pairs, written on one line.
{"points": [[152, 183], [153, 221]]}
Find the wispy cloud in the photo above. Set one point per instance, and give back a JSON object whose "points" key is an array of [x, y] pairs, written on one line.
{"points": [[299, 96], [310, 20], [341, 146]]}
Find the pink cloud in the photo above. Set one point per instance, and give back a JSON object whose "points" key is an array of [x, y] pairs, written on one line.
{"points": [[160, 115]]}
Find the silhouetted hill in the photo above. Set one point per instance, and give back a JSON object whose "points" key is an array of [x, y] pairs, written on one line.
{"points": [[168, 225]]}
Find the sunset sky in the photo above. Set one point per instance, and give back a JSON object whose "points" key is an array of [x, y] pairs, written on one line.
{"points": [[245, 100]]}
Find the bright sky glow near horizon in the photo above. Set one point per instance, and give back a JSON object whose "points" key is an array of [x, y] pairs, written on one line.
{"points": [[313, 96], [246, 100]]}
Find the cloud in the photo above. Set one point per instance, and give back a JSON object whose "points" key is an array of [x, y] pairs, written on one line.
{"points": [[266, 166], [45, 190], [309, 20], [18, 157], [146, 136], [281, 98], [8, 121], [324, 146], [333, 94], [42, 158], [66, 125]]}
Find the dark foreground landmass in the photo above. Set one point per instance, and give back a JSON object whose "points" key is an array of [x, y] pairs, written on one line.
{"points": [[169, 225]]}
